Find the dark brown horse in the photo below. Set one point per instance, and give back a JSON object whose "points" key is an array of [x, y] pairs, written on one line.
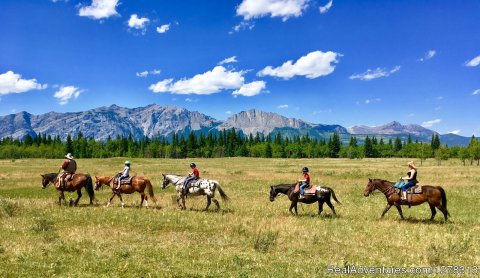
{"points": [[76, 184], [322, 195], [434, 195], [138, 184]]}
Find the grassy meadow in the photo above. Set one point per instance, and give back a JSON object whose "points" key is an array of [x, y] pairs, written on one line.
{"points": [[249, 237]]}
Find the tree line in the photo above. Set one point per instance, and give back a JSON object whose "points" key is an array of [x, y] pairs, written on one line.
{"points": [[231, 143]]}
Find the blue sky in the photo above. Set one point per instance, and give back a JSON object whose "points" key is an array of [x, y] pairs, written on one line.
{"points": [[338, 62]]}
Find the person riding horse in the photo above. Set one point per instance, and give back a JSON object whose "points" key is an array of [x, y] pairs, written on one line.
{"points": [[67, 169], [123, 175], [194, 175], [305, 182], [410, 179]]}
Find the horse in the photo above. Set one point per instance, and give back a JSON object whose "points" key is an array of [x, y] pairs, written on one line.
{"points": [[322, 195], [198, 188], [138, 184], [434, 195], [76, 184]]}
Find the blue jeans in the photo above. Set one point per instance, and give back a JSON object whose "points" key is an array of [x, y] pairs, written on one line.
{"points": [[407, 186], [187, 180], [302, 187]]}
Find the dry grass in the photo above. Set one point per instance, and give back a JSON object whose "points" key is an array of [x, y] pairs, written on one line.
{"points": [[249, 237]]}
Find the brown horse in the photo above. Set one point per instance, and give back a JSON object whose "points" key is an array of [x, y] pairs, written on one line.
{"points": [[138, 184], [76, 184], [322, 195], [434, 195]]}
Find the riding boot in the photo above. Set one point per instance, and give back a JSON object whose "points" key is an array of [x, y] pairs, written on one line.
{"points": [[404, 195]]}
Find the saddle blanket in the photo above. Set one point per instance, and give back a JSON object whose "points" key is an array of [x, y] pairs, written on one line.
{"points": [[124, 181], [312, 190], [417, 189]]}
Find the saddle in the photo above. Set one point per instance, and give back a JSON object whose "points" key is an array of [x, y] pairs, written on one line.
{"points": [[310, 190], [64, 179], [127, 181], [417, 189]]}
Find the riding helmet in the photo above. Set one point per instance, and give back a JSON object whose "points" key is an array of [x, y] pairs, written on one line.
{"points": [[193, 165], [305, 169], [127, 162]]}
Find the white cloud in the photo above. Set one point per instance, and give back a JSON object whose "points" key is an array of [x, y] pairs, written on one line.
{"points": [[145, 73], [191, 99], [455, 131], [228, 60], [12, 83], [368, 101], [228, 112], [99, 9], [64, 94], [163, 29], [431, 123], [139, 23], [210, 82], [476, 92], [324, 9], [474, 62], [312, 65], [285, 9], [428, 55], [242, 26], [250, 89], [373, 74], [282, 106]]}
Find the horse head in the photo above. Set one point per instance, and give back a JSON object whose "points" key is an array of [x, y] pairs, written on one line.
{"points": [[370, 188], [100, 181], [273, 194], [165, 181], [45, 181]]}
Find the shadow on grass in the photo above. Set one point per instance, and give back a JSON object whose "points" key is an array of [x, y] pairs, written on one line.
{"points": [[210, 210]]}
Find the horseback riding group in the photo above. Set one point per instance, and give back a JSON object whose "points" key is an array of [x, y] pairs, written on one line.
{"points": [[122, 183], [404, 192]]}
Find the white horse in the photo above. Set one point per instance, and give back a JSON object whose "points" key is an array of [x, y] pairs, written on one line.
{"points": [[197, 188]]}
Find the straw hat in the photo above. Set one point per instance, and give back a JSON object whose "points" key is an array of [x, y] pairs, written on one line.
{"points": [[412, 165], [69, 156]]}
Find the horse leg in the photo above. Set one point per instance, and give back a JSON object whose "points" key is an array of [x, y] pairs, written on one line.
{"points": [[111, 198], [142, 196], [183, 203], [433, 210], [121, 199], [79, 194], [320, 207], [292, 206], [443, 210], [385, 210], [216, 204], [330, 205], [209, 201], [62, 197], [399, 208]]}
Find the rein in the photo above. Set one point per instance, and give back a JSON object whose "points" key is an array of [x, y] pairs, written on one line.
{"points": [[387, 191]]}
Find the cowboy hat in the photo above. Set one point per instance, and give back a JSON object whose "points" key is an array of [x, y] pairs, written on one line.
{"points": [[69, 156], [411, 164]]}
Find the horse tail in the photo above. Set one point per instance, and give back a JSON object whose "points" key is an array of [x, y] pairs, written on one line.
{"points": [[150, 190], [224, 196], [89, 188], [444, 199], [334, 197]]}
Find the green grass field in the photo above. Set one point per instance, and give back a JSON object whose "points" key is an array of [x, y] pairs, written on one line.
{"points": [[249, 237]]}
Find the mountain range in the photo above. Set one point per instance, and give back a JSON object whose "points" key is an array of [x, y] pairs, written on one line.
{"points": [[154, 120]]}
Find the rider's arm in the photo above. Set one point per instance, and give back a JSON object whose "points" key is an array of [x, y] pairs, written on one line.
{"points": [[407, 178]]}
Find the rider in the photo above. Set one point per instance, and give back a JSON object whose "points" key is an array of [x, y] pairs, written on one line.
{"points": [[68, 167], [194, 175], [410, 179], [305, 182], [124, 174]]}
